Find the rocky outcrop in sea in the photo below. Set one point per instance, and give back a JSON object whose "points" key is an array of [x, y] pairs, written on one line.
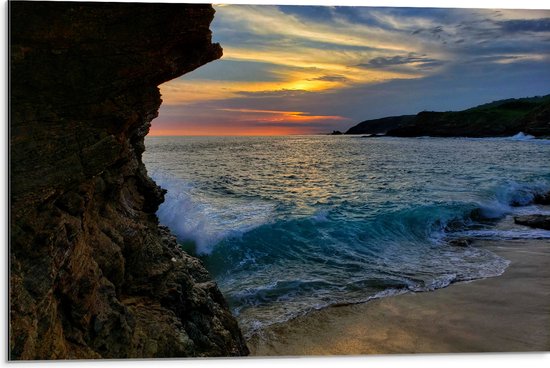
{"points": [[92, 274]]}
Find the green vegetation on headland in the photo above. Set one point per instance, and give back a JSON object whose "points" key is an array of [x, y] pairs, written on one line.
{"points": [[496, 119]]}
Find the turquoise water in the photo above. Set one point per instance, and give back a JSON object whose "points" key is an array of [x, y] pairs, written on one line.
{"points": [[295, 223]]}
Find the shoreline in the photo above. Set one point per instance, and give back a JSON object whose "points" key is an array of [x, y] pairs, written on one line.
{"points": [[506, 313]]}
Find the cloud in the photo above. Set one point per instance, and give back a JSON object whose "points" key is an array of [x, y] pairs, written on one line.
{"points": [[331, 78], [305, 68], [525, 25], [280, 117], [507, 59], [311, 126], [274, 94], [238, 71], [412, 58], [271, 21]]}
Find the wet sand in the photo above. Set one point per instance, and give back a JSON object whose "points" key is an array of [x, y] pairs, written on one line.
{"points": [[510, 312]]}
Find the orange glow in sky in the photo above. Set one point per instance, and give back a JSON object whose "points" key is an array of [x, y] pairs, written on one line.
{"points": [[252, 122], [233, 130], [281, 116]]}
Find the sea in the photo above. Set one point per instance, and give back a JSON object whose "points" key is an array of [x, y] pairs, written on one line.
{"points": [[290, 224]]}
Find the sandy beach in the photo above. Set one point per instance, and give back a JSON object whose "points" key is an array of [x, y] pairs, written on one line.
{"points": [[509, 313]]}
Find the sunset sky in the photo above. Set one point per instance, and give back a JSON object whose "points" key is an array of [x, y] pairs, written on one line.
{"points": [[305, 69]]}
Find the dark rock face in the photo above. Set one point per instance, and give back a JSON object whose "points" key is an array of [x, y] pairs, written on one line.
{"points": [[462, 242], [537, 122], [535, 221], [542, 198], [380, 126], [92, 275]]}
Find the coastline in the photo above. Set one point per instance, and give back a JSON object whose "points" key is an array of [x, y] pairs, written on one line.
{"points": [[508, 313]]}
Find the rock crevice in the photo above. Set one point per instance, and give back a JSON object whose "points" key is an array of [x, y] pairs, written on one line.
{"points": [[92, 274]]}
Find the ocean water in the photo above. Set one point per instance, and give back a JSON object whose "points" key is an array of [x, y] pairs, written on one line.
{"points": [[291, 224]]}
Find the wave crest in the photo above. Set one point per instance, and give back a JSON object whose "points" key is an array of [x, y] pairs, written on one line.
{"points": [[206, 220]]}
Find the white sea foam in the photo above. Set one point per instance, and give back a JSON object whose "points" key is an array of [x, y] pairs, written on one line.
{"points": [[520, 194], [321, 216], [522, 137], [388, 292], [440, 282], [496, 234], [206, 220]]}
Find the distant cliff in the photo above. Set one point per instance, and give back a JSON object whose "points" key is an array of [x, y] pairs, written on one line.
{"points": [[496, 119], [92, 274], [381, 126]]}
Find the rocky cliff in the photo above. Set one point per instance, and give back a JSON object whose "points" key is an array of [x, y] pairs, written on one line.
{"points": [[380, 126], [496, 119], [92, 274]]}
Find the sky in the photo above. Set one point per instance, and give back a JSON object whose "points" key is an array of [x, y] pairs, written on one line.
{"points": [[315, 69]]}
